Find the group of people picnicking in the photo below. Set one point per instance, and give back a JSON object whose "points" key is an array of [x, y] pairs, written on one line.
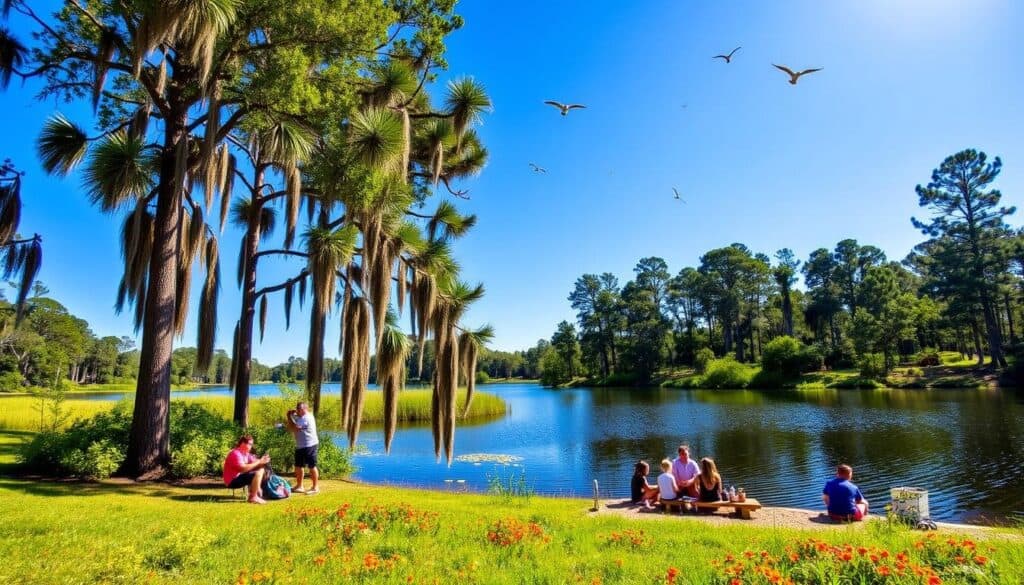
{"points": [[684, 479], [242, 468]]}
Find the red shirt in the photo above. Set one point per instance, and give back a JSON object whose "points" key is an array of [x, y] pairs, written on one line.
{"points": [[234, 462]]}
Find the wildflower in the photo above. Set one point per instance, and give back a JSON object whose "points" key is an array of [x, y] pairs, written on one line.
{"points": [[934, 580], [671, 574], [981, 560], [319, 561], [883, 571], [862, 551], [846, 556]]}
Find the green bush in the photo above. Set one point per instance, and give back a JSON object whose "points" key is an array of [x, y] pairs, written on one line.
{"points": [[928, 357], [872, 366], [99, 460], [783, 356], [726, 373], [769, 380], [482, 377], [192, 459], [11, 381], [703, 359]]}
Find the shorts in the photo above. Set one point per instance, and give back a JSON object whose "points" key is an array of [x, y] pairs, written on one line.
{"points": [[857, 516], [242, 480], [306, 456]]}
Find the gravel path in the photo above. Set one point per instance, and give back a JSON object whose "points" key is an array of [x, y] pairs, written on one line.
{"points": [[769, 516]]}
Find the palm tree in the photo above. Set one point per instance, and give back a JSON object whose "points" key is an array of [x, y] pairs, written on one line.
{"points": [[19, 256], [280, 146]]}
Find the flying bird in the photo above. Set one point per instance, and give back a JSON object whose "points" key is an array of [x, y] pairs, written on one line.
{"points": [[793, 77], [538, 169], [564, 107], [676, 191], [728, 58]]}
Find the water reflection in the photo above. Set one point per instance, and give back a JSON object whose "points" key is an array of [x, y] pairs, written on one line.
{"points": [[965, 446]]}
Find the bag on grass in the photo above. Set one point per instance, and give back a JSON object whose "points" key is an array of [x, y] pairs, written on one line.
{"points": [[276, 488]]}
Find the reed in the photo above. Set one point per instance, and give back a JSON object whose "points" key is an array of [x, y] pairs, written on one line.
{"points": [[22, 413]]}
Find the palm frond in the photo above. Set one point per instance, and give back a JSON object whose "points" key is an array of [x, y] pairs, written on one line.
{"points": [[12, 54], [377, 139], [118, 171], [61, 145], [466, 100]]}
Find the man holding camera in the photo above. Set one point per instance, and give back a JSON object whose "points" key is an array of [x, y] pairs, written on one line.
{"points": [[301, 423]]}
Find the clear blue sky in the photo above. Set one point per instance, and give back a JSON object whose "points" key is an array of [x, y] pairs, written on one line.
{"points": [[905, 83]]}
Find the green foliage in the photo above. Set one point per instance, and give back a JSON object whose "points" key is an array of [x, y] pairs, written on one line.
{"points": [[11, 381], [703, 359], [726, 373], [872, 366], [97, 461], [482, 377], [783, 356]]}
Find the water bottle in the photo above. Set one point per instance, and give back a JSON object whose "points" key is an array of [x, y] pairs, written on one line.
{"points": [[732, 493]]}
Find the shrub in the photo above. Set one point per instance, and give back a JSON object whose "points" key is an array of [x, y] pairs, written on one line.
{"points": [[768, 380], [11, 381], [703, 358], [191, 460], [783, 356], [928, 357], [98, 460], [482, 377], [872, 366], [842, 357], [726, 373]]}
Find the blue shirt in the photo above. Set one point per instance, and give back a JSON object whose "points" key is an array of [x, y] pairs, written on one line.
{"points": [[842, 496]]}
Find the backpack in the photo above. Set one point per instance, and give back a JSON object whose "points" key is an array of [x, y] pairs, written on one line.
{"points": [[276, 488]]}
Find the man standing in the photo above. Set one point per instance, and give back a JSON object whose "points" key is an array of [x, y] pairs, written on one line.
{"points": [[842, 498], [686, 471], [301, 423]]}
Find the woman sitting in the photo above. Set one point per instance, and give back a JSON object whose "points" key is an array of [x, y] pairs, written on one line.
{"points": [[640, 489], [709, 484], [242, 468]]}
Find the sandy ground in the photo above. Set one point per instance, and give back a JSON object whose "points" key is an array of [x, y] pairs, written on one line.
{"points": [[773, 517]]}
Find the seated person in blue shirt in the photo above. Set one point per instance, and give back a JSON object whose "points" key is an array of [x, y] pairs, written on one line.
{"points": [[842, 498]]}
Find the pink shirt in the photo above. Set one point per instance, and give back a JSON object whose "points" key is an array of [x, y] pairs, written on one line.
{"points": [[234, 462]]}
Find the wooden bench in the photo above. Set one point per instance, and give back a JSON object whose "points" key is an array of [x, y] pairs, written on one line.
{"points": [[742, 509]]}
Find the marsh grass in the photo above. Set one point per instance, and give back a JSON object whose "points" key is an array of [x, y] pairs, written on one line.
{"points": [[120, 532], [22, 412]]}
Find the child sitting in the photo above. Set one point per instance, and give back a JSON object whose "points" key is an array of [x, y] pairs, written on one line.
{"points": [[640, 489]]}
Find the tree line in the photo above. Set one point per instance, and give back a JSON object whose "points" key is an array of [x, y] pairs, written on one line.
{"points": [[215, 111], [960, 289]]}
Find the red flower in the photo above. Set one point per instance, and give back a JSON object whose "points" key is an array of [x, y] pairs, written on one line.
{"points": [[980, 560]]}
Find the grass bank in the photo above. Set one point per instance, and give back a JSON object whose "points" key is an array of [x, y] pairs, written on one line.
{"points": [[953, 372], [119, 532], [28, 413]]}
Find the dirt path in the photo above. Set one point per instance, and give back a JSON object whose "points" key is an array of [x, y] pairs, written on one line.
{"points": [[769, 516]]}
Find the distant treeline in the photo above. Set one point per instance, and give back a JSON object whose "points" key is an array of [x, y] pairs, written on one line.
{"points": [[958, 290]]}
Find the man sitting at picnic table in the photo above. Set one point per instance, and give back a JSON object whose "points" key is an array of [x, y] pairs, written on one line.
{"points": [[686, 471], [842, 498]]}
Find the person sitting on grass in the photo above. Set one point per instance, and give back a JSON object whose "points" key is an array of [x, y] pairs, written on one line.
{"points": [[709, 483], [242, 468], [640, 489], [842, 498], [667, 487]]}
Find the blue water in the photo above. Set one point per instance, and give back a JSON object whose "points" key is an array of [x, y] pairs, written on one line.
{"points": [[966, 447]]}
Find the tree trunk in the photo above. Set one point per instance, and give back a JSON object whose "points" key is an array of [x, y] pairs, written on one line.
{"points": [[149, 438], [977, 342], [787, 313], [243, 368], [995, 341], [1009, 317], [315, 357]]}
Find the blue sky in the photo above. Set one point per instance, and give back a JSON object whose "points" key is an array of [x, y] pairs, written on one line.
{"points": [[905, 83]]}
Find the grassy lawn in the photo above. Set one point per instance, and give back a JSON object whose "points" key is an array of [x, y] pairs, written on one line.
{"points": [[125, 532]]}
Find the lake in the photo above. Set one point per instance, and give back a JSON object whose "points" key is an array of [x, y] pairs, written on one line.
{"points": [[965, 446]]}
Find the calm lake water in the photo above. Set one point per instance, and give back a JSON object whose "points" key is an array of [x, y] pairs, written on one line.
{"points": [[966, 447]]}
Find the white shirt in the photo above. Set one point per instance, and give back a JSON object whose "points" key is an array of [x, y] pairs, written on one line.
{"points": [[306, 435], [666, 484]]}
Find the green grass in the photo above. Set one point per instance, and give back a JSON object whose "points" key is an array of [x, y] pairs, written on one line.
{"points": [[157, 533], [22, 412]]}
